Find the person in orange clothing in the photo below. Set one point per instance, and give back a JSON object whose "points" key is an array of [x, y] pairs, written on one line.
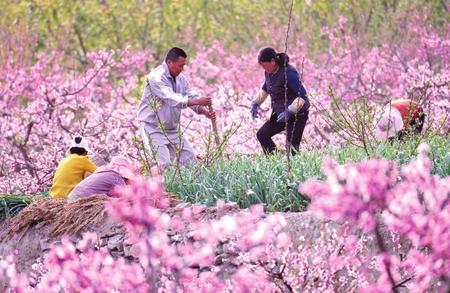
{"points": [[72, 169], [398, 118], [412, 114]]}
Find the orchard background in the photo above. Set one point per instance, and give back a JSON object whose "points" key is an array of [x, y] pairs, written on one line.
{"points": [[78, 67]]}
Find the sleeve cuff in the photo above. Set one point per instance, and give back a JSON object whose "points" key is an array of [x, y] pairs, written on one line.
{"points": [[292, 109], [184, 102], [195, 108]]}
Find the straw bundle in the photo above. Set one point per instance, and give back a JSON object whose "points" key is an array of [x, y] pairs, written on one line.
{"points": [[79, 214], [69, 217], [40, 211]]}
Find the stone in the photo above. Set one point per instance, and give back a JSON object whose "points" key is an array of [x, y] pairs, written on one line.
{"points": [[131, 251], [115, 243], [45, 245]]}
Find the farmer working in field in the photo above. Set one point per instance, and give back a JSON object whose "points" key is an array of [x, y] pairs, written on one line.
{"points": [[399, 118], [166, 93], [290, 103], [106, 178], [72, 169]]}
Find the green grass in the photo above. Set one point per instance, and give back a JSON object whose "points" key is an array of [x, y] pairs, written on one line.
{"points": [[260, 179], [11, 205]]}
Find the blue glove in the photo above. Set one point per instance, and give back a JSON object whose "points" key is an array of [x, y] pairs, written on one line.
{"points": [[284, 116], [254, 110]]}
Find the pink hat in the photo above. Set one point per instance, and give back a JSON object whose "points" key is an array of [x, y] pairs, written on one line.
{"points": [[121, 165], [388, 123]]}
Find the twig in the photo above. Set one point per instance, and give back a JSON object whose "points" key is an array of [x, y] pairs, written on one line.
{"points": [[383, 249], [214, 127]]}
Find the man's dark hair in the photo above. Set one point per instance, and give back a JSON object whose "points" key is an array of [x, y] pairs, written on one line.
{"points": [[78, 151], [174, 53]]}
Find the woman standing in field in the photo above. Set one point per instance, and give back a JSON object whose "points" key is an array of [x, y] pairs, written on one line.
{"points": [[289, 101]]}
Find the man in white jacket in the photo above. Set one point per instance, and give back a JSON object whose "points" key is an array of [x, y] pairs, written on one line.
{"points": [[166, 93]]}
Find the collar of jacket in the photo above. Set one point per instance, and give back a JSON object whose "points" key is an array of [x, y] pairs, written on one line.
{"points": [[166, 70]]}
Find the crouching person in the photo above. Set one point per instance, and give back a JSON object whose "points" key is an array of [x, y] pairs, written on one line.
{"points": [[398, 119], [106, 178], [72, 169]]}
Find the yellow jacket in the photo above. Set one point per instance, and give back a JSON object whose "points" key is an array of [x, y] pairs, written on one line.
{"points": [[70, 172]]}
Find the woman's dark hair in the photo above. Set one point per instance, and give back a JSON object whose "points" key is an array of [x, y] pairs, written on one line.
{"points": [[267, 54], [78, 151]]}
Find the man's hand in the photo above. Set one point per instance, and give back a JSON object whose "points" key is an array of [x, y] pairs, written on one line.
{"points": [[254, 110], [200, 102], [209, 113]]}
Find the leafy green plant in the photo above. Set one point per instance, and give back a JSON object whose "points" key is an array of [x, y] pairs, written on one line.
{"points": [[248, 180], [11, 205]]}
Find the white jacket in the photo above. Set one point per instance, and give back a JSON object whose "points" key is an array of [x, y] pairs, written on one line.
{"points": [[162, 100]]}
